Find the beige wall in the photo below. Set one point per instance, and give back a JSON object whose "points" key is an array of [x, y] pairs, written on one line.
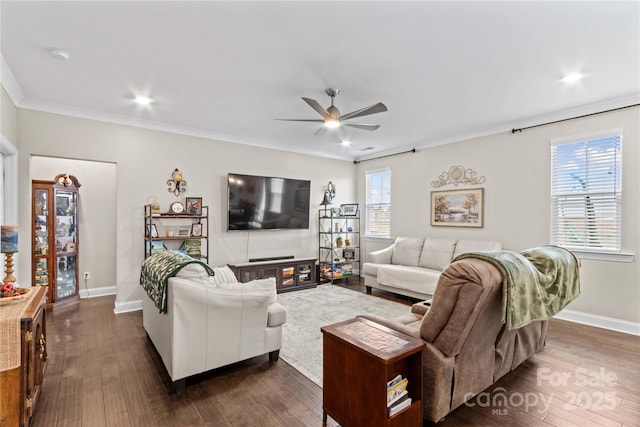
{"points": [[145, 159], [8, 117], [517, 201]]}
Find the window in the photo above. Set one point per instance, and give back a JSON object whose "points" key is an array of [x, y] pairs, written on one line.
{"points": [[378, 209], [586, 192]]}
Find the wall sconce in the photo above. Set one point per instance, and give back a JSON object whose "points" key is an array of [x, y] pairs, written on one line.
{"points": [[176, 184], [331, 189]]}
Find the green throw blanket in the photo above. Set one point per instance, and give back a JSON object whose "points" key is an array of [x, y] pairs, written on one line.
{"points": [[158, 268], [536, 283]]}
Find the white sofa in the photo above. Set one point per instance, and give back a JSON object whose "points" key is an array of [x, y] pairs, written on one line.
{"points": [[213, 321], [411, 266]]}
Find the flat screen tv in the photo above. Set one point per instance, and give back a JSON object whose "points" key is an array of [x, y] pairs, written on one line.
{"points": [[267, 203]]}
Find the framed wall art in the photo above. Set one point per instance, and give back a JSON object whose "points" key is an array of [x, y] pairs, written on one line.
{"points": [[458, 208]]}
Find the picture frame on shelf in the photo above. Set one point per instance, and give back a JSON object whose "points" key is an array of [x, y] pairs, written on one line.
{"points": [[458, 208], [184, 232], [196, 230], [157, 246], [152, 231], [194, 206], [349, 209], [349, 254]]}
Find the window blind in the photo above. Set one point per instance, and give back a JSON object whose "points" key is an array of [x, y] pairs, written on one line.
{"points": [[378, 209], [586, 193]]}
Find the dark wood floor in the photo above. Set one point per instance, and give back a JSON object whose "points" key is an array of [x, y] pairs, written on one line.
{"points": [[102, 371]]}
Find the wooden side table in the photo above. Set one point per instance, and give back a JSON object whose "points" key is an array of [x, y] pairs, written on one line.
{"points": [[359, 358]]}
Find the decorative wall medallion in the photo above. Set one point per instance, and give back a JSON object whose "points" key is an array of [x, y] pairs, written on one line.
{"points": [[458, 175]]}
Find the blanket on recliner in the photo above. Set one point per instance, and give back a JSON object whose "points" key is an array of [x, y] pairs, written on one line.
{"points": [[158, 268], [536, 283]]}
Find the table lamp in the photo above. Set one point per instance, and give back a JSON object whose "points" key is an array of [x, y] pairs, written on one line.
{"points": [[326, 201], [8, 246]]}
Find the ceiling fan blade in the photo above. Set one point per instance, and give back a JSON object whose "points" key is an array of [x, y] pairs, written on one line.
{"points": [[321, 131], [372, 109], [302, 120], [316, 106], [362, 126]]}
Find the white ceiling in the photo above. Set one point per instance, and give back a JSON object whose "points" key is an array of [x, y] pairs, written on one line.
{"points": [[225, 70]]}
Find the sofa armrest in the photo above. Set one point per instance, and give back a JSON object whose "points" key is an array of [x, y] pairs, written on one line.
{"points": [[276, 315], [383, 256]]}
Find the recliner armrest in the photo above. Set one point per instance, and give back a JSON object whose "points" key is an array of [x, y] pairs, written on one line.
{"points": [[397, 326]]}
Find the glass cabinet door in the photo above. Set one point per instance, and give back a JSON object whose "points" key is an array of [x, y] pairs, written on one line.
{"points": [[65, 241], [41, 236]]}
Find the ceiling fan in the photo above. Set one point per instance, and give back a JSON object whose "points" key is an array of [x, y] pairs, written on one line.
{"points": [[332, 119]]}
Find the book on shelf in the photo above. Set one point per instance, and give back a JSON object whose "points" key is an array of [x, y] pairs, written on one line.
{"points": [[396, 389], [399, 398], [400, 406]]}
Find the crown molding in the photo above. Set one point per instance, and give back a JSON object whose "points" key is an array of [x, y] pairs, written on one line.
{"points": [[10, 83]]}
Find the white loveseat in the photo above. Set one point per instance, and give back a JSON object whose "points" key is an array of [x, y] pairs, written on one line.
{"points": [[213, 321], [411, 266]]}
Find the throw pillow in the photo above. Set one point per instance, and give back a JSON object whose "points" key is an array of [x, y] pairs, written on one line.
{"points": [[222, 275], [437, 253], [193, 271], [268, 284], [406, 251]]}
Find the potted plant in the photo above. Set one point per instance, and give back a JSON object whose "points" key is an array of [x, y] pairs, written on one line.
{"points": [[339, 242]]}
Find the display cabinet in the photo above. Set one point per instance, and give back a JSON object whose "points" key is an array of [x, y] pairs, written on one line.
{"points": [[183, 232], [55, 242], [338, 246]]}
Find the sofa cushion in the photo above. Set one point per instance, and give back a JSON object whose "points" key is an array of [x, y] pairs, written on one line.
{"points": [[223, 275], [437, 253], [464, 246], [416, 279], [406, 251], [268, 284]]}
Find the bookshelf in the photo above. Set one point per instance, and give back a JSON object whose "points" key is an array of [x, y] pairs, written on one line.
{"points": [[339, 246], [184, 232]]}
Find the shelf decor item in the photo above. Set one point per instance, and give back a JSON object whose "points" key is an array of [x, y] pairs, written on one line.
{"points": [[194, 206], [325, 201], [349, 209], [9, 247]]}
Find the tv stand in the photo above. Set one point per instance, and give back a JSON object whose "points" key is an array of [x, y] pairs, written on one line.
{"points": [[291, 274]]}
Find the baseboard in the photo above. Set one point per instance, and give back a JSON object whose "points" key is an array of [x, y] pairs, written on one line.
{"points": [[603, 322], [97, 292], [125, 307]]}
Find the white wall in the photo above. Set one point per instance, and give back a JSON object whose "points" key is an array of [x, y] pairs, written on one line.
{"points": [[517, 201], [145, 160], [96, 214]]}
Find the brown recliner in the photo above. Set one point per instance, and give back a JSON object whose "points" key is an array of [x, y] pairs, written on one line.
{"points": [[467, 347]]}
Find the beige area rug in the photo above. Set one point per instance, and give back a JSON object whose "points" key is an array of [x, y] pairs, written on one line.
{"points": [[308, 310]]}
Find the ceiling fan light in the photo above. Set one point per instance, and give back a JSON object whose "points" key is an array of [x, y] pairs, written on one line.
{"points": [[332, 123]]}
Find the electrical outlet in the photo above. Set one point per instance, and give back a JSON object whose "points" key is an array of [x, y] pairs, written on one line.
{"points": [[87, 275]]}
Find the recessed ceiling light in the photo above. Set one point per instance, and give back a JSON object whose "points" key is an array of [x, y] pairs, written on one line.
{"points": [[59, 54], [572, 78], [142, 100], [345, 142]]}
